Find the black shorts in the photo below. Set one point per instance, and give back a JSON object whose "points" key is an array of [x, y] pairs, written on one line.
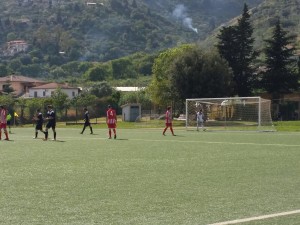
{"points": [[39, 126], [87, 124], [50, 125], [8, 123]]}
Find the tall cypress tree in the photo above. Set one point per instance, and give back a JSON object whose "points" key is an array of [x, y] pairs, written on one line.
{"points": [[281, 76], [236, 46]]}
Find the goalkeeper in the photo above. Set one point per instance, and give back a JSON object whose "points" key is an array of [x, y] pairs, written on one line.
{"points": [[200, 120]]}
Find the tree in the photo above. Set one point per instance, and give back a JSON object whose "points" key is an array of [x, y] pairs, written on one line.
{"points": [[33, 104], [198, 74], [32, 70], [42, 37], [21, 103], [281, 76], [58, 72], [236, 46], [188, 72], [60, 100], [7, 88], [136, 97], [84, 66], [160, 86], [11, 36], [71, 68], [15, 65], [84, 100], [97, 73], [101, 89], [3, 70], [123, 68], [7, 100]]}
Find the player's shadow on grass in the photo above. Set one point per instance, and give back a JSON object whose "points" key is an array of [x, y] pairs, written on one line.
{"points": [[176, 135], [121, 139], [58, 141]]}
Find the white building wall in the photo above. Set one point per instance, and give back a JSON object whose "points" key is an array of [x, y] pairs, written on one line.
{"points": [[126, 113], [130, 112], [44, 93]]}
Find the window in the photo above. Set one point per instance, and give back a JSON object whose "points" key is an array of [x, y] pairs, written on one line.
{"points": [[5, 86], [73, 93], [44, 93], [35, 94]]}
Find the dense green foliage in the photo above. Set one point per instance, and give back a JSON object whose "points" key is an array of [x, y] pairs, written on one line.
{"points": [[160, 87], [61, 31], [281, 72], [265, 16], [64, 35], [280, 77], [236, 46], [189, 72], [196, 73], [263, 19]]}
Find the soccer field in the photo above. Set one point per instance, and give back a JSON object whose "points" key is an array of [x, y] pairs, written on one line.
{"points": [[142, 177]]}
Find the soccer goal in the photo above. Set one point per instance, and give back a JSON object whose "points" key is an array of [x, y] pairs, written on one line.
{"points": [[236, 113]]}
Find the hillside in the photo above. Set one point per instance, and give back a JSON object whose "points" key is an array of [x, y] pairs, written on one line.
{"points": [[59, 31], [263, 18], [62, 31], [265, 15]]}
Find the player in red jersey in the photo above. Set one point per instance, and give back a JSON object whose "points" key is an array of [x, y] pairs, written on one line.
{"points": [[3, 122], [168, 121], [111, 121]]}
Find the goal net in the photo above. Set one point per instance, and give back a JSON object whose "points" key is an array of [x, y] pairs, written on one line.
{"points": [[236, 113]]}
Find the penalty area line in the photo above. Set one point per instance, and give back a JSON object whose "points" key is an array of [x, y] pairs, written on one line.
{"points": [[238, 221]]}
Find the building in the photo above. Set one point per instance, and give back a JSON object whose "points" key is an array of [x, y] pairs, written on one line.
{"points": [[19, 84], [129, 89], [47, 90], [288, 106], [13, 47], [131, 112]]}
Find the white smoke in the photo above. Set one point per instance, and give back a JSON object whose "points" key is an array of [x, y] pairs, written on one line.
{"points": [[180, 13]]}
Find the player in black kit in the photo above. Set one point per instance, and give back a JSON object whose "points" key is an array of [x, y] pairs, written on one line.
{"points": [[51, 118], [39, 120], [87, 121]]}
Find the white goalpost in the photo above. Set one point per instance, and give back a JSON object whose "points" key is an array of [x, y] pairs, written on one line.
{"points": [[235, 113]]}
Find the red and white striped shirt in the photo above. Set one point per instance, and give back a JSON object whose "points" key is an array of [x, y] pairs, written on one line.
{"points": [[3, 114], [168, 117], [111, 117]]}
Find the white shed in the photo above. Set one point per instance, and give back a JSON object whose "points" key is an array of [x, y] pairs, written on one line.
{"points": [[131, 112]]}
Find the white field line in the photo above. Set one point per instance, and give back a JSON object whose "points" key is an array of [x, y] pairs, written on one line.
{"points": [[238, 221]]}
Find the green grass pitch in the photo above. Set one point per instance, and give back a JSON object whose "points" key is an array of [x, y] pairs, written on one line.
{"points": [[142, 177]]}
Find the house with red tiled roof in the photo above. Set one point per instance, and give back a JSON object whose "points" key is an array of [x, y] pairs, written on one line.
{"points": [[19, 84], [47, 90]]}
